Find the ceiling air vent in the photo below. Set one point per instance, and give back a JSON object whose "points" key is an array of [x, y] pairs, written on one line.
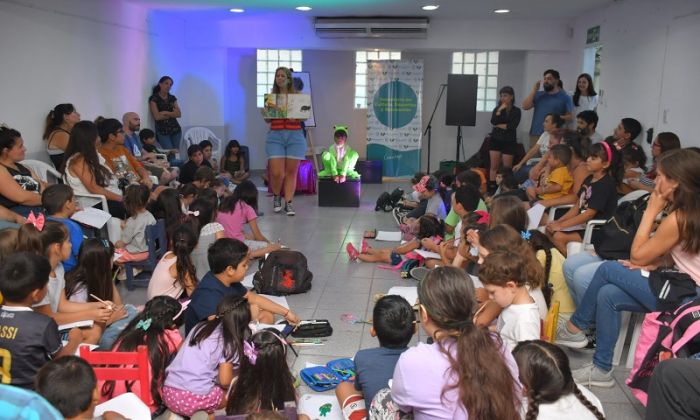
{"points": [[371, 27]]}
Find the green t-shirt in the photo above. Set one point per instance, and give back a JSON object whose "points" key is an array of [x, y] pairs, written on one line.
{"points": [[453, 218]]}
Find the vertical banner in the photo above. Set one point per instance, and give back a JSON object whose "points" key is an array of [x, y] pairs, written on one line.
{"points": [[394, 124]]}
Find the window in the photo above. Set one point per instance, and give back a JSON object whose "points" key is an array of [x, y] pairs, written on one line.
{"points": [[268, 61], [485, 65], [361, 58]]}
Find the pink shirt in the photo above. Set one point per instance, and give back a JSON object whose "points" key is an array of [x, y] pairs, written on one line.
{"points": [[233, 222], [687, 263], [162, 283]]}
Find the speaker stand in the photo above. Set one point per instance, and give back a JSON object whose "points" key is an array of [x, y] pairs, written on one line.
{"points": [[460, 145], [429, 128]]}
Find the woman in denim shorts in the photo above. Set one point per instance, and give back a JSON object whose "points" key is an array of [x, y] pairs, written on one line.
{"points": [[286, 147]]}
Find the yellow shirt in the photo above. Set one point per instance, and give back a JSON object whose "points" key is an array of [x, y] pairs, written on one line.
{"points": [[560, 291], [559, 176]]}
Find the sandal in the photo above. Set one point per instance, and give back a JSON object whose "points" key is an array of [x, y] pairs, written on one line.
{"points": [[352, 251]]}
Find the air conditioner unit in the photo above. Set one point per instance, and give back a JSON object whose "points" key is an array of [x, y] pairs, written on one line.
{"points": [[371, 27]]}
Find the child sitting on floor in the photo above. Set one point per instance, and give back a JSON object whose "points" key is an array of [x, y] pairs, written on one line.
{"points": [[429, 228], [133, 246], [264, 380], [233, 163], [394, 323]]}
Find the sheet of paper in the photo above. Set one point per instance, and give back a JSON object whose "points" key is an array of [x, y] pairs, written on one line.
{"points": [[410, 293], [92, 217], [280, 300], [534, 215], [428, 254], [77, 351], [388, 236], [248, 281], [129, 405], [76, 324], [319, 406]]}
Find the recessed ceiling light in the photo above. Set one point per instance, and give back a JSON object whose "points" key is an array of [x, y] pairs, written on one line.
{"points": [[501, 11], [235, 10], [430, 7], [303, 8]]}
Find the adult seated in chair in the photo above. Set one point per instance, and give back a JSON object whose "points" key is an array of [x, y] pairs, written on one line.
{"points": [[20, 188], [340, 159]]}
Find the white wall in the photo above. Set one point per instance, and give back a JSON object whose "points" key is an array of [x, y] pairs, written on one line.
{"points": [[644, 70], [91, 54]]}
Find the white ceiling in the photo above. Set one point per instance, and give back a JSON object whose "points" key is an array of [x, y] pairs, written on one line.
{"points": [[449, 9]]}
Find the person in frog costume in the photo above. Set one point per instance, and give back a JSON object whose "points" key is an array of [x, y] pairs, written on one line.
{"points": [[339, 160]]}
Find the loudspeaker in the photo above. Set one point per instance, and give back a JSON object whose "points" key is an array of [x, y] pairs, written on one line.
{"points": [[461, 99]]}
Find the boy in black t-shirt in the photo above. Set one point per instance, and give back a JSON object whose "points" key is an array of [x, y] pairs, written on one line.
{"points": [[28, 339]]}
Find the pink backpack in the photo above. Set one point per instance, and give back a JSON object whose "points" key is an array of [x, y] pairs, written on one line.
{"points": [[664, 335]]}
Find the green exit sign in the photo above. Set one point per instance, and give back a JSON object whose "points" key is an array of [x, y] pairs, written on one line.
{"points": [[593, 35]]}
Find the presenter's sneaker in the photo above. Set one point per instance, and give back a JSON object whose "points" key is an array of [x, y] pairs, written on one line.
{"points": [[591, 375], [277, 204], [570, 339], [289, 209]]}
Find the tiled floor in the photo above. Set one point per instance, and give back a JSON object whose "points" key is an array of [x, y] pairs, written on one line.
{"points": [[340, 287]]}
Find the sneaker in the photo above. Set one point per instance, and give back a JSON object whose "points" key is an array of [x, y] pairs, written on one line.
{"points": [[289, 209], [419, 273], [591, 375], [397, 215], [567, 338], [277, 204]]}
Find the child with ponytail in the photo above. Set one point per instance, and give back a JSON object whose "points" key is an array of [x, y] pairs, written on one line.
{"points": [[156, 327], [51, 240], [465, 373], [203, 369], [203, 214], [505, 279], [264, 380], [597, 197], [175, 274], [555, 287], [549, 387]]}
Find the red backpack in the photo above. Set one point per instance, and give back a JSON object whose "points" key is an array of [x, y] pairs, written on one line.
{"points": [[664, 335]]}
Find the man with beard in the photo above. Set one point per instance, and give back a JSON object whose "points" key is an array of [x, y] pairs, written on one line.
{"points": [[159, 168], [552, 100], [586, 124]]}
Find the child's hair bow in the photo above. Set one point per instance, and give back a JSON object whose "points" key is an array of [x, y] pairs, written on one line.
{"points": [[36, 221]]}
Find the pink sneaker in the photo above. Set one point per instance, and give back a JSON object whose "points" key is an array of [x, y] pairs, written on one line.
{"points": [[352, 251], [365, 246]]}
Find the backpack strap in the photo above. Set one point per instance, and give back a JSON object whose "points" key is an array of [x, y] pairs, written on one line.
{"points": [[688, 335]]}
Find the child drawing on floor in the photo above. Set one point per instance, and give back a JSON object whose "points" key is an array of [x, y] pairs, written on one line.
{"points": [[505, 278], [202, 371], [550, 390], [429, 228], [157, 328], [133, 246], [264, 380]]}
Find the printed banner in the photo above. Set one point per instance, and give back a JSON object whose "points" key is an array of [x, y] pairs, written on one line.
{"points": [[394, 124]]}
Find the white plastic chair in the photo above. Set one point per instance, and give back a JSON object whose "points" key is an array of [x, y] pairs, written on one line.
{"points": [[196, 135], [42, 169]]}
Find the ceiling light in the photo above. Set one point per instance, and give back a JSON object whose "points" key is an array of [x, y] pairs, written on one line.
{"points": [[430, 7], [235, 10], [501, 11], [303, 8]]}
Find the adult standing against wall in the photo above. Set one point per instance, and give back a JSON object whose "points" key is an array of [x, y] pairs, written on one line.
{"points": [[59, 122], [285, 147], [585, 97], [505, 119], [166, 111], [551, 100]]}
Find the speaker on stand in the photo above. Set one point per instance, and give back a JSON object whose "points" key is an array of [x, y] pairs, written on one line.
{"points": [[461, 104]]}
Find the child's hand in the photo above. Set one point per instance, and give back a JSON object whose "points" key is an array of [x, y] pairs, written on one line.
{"points": [[75, 335], [553, 227], [473, 237], [428, 244], [117, 314], [101, 314], [292, 318]]}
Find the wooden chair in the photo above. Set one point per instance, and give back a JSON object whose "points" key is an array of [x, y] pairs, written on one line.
{"points": [[122, 366]]}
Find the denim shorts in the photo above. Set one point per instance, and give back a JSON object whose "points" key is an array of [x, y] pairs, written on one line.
{"points": [[290, 144]]}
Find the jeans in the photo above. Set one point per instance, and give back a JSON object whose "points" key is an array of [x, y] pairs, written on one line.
{"points": [[578, 272], [614, 288], [25, 210], [111, 333], [169, 141], [523, 174]]}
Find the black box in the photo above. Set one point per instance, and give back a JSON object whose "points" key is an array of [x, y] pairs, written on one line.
{"points": [[370, 171], [332, 194]]}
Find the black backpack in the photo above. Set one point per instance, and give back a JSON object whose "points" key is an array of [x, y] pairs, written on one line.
{"points": [[613, 240], [387, 201], [283, 272]]}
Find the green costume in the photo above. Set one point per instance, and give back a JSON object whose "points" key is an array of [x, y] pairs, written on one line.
{"points": [[346, 167]]}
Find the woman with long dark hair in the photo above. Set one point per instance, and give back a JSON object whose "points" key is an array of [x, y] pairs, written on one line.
{"points": [[585, 97], [621, 285], [20, 187], [59, 122], [166, 111], [505, 119], [663, 142], [85, 170]]}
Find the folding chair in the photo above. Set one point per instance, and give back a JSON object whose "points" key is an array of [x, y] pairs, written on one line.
{"points": [[121, 366], [157, 241]]}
